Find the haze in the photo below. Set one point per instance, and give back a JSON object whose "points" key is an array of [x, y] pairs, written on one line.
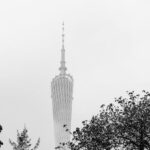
{"points": [[107, 53]]}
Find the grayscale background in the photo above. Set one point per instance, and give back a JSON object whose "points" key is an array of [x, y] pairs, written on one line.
{"points": [[107, 52]]}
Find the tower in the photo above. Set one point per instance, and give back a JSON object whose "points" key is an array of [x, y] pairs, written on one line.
{"points": [[61, 93]]}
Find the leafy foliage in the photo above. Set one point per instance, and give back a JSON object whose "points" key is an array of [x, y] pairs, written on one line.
{"points": [[122, 125], [23, 141], [1, 143]]}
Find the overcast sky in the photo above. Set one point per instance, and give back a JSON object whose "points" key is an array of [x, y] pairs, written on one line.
{"points": [[107, 52]]}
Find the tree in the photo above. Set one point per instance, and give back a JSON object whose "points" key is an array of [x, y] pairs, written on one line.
{"points": [[24, 142], [96, 134], [122, 125], [1, 143], [133, 122]]}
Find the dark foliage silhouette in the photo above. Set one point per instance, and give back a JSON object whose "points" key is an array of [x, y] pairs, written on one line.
{"points": [[1, 143], [23, 141], [124, 124]]}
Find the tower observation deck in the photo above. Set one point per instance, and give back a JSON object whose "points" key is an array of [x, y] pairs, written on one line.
{"points": [[61, 93]]}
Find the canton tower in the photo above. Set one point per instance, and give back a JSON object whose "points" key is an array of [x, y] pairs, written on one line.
{"points": [[61, 93]]}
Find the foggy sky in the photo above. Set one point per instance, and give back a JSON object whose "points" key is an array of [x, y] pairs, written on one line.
{"points": [[107, 53]]}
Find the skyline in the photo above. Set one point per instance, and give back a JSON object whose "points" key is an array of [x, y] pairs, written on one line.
{"points": [[107, 52]]}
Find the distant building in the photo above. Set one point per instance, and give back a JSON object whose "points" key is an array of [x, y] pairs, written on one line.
{"points": [[61, 93]]}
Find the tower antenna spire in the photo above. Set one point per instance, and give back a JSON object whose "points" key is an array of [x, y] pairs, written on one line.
{"points": [[62, 62], [63, 35]]}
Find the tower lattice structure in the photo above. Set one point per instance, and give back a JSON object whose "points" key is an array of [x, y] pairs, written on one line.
{"points": [[61, 93]]}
